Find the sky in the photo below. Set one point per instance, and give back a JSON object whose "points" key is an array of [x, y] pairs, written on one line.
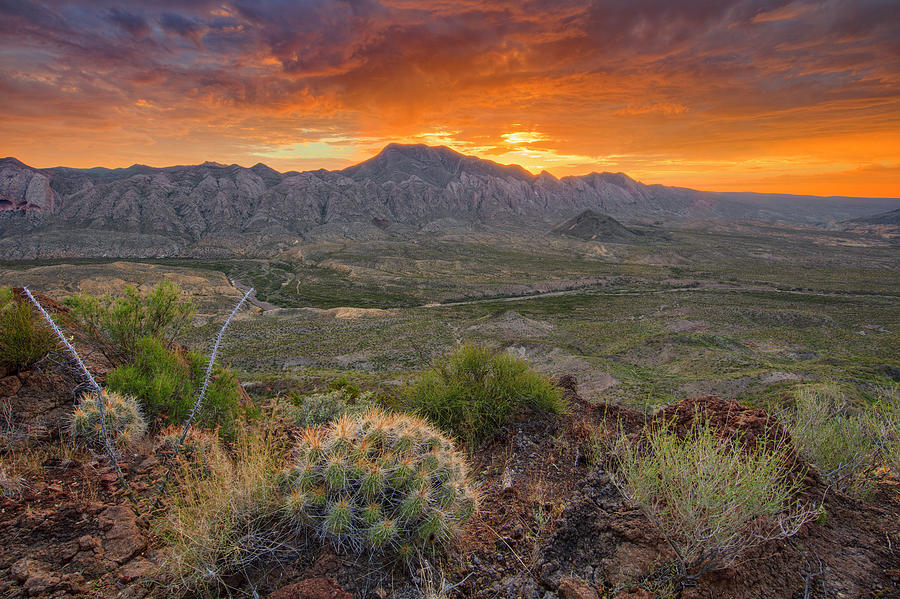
{"points": [[725, 95]]}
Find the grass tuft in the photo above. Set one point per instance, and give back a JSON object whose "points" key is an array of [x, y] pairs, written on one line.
{"points": [[222, 521], [711, 499], [23, 339]]}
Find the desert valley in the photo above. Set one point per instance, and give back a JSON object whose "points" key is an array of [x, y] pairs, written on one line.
{"points": [[380, 299]]}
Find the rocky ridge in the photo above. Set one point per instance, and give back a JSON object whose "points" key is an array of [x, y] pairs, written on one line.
{"points": [[214, 209]]}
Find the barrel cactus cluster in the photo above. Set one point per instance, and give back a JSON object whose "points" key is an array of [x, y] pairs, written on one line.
{"points": [[124, 421], [379, 482]]}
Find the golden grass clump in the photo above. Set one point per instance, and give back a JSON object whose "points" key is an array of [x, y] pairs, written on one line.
{"points": [[222, 521]]}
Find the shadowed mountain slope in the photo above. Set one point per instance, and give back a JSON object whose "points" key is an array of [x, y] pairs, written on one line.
{"points": [[884, 218], [593, 226]]}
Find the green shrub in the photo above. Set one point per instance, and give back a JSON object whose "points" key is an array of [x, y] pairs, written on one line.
{"points": [[123, 419], [167, 381], [473, 391], [350, 390], [835, 437], [379, 482], [118, 324], [222, 521], [317, 409], [886, 422], [710, 498], [23, 338]]}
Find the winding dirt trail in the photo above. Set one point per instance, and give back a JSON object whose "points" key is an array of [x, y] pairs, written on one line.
{"points": [[708, 287]]}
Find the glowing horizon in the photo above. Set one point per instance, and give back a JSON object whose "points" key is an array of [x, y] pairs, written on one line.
{"points": [[773, 96]]}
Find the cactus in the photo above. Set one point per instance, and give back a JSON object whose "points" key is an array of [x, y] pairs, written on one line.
{"points": [[379, 482], [124, 421]]}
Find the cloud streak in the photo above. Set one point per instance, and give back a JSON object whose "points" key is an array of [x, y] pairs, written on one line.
{"points": [[696, 94]]}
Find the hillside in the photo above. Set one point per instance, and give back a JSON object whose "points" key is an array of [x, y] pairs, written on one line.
{"points": [[593, 226], [884, 218], [214, 209]]}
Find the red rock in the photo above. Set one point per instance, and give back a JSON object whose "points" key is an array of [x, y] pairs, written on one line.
{"points": [[24, 568], [74, 583], [137, 569], [68, 550], [312, 588], [34, 576], [574, 588], [41, 582], [9, 386], [123, 539], [727, 417], [89, 542]]}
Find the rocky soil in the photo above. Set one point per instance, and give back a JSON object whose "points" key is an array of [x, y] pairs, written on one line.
{"points": [[552, 523]]}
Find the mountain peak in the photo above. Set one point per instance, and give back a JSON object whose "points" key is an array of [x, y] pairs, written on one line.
{"points": [[10, 161], [595, 226], [436, 165]]}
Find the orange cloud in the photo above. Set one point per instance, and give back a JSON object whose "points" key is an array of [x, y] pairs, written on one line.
{"points": [[765, 95]]}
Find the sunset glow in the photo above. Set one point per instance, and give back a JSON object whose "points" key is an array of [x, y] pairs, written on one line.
{"points": [[730, 95]]}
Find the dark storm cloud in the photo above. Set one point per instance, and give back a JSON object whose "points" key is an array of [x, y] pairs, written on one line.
{"points": [[355, 44], [176, 23], [134, 24]]}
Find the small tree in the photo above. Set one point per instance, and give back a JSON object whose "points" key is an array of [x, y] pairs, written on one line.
{"points": [[117, 324], [166, 382]]}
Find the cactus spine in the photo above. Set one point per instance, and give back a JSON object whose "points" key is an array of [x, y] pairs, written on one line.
{"points": [[122, 419]]}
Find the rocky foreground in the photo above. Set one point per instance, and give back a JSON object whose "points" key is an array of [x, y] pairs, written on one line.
{"points": [[552, 523]]}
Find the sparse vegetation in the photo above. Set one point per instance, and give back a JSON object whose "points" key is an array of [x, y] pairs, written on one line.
{"points": [[846, 442], [379, 482], [710, 498], [317, 409], [231, 513], [23, 339], [886, 419], [117, 325], [166, 382], [222, 521], [123, 420], [834, 436], [474, 390]]}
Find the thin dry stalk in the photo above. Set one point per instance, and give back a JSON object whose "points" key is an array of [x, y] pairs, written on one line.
{"points": [[113, 456], [212, 360]]}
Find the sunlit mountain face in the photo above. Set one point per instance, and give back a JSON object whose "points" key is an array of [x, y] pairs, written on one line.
{"points": [[728, 95]]}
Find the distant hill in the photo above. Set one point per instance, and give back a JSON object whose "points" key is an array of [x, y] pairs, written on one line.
{"points": [[884, 218], [593, 226], [215, 209]]}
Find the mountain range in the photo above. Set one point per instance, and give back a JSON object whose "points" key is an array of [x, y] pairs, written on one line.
{"points": [[215, 209]]}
